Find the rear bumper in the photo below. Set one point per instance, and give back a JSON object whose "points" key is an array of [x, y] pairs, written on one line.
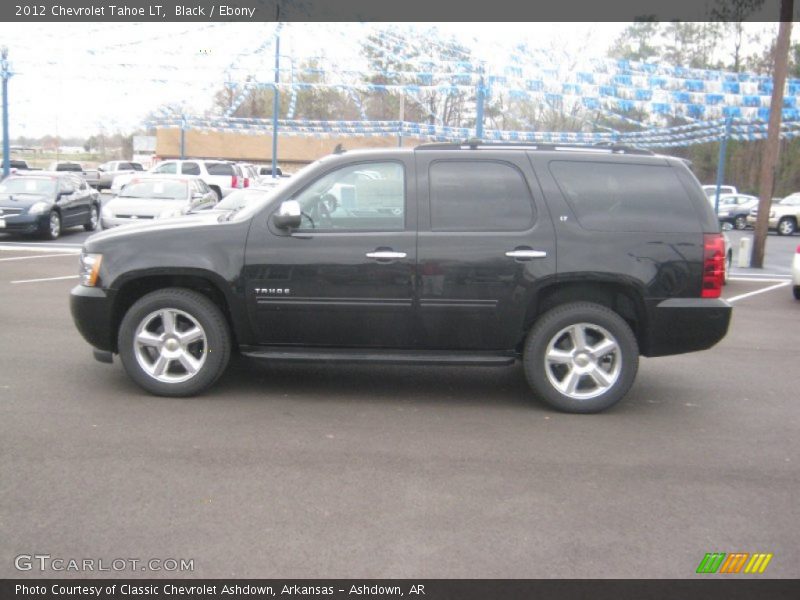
{"points": [[679, 325], [92, 313]]}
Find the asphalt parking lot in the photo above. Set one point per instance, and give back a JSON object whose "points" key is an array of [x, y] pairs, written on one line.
{"points": [[298, 471]]}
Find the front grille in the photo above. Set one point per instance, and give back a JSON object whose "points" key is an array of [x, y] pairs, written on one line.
{"points": [[9, 212]]}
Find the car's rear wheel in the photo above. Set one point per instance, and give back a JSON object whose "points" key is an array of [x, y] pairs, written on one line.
{"points": [[217, 192], [740, 222], [174, 342], [52, 228], [581, 357], [94, 218]]}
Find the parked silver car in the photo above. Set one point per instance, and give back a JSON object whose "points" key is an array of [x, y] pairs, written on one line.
{"points": [[157, 197]]}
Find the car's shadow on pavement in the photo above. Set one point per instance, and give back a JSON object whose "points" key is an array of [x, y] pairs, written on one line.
{"points": [[376, 383]]}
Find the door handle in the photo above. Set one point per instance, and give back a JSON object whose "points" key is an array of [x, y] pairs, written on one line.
{"points": [[526, 253], [386, 254]]}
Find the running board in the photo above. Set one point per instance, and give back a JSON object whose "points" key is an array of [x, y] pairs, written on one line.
{"points": [[395, 357]]}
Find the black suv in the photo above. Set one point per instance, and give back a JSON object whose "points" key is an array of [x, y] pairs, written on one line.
{"points": [[573, 260]]}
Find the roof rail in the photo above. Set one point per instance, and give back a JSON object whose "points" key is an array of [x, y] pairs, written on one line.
{"points": [[474, 144]]}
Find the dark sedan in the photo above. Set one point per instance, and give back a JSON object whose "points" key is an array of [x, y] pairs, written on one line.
{"points": [[47, 203]]}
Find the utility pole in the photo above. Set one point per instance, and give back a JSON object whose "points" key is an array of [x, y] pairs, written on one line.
{"points": [[402, 119], [769, 162], [183, 136], [480, 96], [276, 103], [723, 147], [5, 72]]}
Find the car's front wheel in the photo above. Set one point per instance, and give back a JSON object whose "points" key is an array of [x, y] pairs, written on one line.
{"points": [[52, 229], [174, 342], [581, 357], [786, 226], [740, 223]]}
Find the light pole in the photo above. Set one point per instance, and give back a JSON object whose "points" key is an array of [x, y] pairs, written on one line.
{"points": [[5, 73], [275, 102]]}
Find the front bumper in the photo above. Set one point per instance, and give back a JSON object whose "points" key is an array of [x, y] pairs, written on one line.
{"points": [[110, 222], [680, 325], [25, 223], [92, 313], [772, 223]]}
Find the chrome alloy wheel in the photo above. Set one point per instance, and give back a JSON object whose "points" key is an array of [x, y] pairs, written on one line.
{"points": [[93, 217], [55, 225], [170, 345], [583, 361]]}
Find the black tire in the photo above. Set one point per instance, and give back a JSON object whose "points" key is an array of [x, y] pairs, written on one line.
{"points": [[786, 226], [52, 229], [740, 222], [796, 292], [216, 346], [217, 191], [550, 327], [94, 219]]}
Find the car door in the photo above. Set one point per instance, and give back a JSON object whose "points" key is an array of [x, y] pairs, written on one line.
{"points": [[485, 244], [345, 277], [70, 202]]}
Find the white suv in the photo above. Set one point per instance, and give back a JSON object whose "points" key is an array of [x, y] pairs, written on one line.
{"points": [[221, 176]]}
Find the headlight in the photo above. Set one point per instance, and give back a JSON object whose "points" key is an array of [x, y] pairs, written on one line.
{"points": [[38, 208], [724, 213], [90, 268], [107, 213]]}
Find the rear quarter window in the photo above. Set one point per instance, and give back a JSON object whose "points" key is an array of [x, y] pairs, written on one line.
{"points": [[625, 197]]}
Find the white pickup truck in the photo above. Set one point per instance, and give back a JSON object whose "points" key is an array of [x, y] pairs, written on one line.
{"points": [[108, 171]]}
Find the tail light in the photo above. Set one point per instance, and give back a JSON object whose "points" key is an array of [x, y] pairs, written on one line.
{"points": [[234, 181], [798, 250], [713, 265], [246, 182]]}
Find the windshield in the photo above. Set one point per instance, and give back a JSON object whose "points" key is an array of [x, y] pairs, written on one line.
{"points": [[240, 198], [28, 185], [156, 190]]}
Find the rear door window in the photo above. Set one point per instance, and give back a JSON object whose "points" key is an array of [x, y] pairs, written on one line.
{"points": [[220, 169], [625, 197], [479, 195], [190, 168]]}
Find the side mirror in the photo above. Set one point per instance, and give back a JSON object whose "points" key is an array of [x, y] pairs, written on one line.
{"points": [[197, 196], [67, 191], [289, 215]]}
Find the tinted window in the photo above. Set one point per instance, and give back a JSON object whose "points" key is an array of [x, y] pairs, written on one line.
{"points": [[358, 197], [68, 167], [625, 197], [190, 168], [137, 167], [219, 169], [479, 195]]}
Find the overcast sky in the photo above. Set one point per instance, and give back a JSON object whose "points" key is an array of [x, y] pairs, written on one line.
{"points": [[84, 78]]}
